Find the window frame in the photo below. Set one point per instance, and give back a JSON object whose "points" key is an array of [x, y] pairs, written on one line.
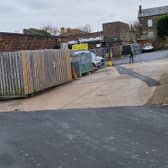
{"points": [[150, 23]]}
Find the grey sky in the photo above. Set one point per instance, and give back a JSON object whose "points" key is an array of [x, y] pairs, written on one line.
{"points": [[18, 14]]}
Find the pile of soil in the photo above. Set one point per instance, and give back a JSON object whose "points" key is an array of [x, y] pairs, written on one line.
{"points": [[160, 96]]}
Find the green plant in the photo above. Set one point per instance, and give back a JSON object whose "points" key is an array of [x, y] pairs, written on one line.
{"points": [[34, 91], [33, 31], [162, 27]]}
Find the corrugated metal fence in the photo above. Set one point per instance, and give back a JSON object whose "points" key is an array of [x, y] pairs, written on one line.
{"points": [[27, 72]]}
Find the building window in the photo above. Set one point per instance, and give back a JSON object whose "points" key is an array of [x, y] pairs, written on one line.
{"points": [[150, 23]]}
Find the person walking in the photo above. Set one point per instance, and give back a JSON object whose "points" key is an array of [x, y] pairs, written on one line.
{"points": [[131, 57]]}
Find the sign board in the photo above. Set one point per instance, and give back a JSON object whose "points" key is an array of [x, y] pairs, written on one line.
{"points": [[78, 47]]}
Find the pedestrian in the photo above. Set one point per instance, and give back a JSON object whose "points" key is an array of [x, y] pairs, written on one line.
{"points": [[131, 57]]}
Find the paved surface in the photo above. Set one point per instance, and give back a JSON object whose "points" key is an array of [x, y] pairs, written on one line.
{"points": [[145, 57], [105, 88], [118, 137], [149, 81], [127, 137]]}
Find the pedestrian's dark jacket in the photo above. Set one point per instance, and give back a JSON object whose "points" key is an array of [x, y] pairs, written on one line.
{"points": [[131, 53]]}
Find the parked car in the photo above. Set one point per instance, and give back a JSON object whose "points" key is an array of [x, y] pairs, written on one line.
{"points": [[148, 47], [135, 48], [126, 50], [97, 61]]}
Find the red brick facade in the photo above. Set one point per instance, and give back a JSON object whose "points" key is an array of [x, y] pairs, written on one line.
{"points": [[14, 42], [147, 31], [116, 32], [148, 20]]}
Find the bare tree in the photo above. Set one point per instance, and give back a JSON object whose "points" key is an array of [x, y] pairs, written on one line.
{"points": [[86, 28], [135, 27], [52, 30]]}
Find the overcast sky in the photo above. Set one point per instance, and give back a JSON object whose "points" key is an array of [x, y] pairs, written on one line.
{"points": [[18, 14]]}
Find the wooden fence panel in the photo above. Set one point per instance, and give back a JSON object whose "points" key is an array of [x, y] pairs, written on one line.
{"points": [[27, 72], [10, 74]]}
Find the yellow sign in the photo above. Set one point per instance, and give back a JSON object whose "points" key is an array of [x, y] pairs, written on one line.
{"points": [[78, 47]]}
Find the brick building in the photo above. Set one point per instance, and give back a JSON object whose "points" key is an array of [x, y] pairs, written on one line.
{"points": [[79, 36], [116, 33], [71, 31], [15, 41], [93, 39], [113, 35], [148, 20]]}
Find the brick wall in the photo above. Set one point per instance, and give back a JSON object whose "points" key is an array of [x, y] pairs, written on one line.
{"points": [[117, 30], [14, 42], [155, 43], [144, 23], [145, 30]]}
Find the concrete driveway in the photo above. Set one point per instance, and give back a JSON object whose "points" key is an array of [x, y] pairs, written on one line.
{"points": [[106, 88]]}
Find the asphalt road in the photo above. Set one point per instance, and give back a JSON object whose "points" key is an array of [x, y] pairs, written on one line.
{"points": [[144, 57], [126, 137], [148, 80]]}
